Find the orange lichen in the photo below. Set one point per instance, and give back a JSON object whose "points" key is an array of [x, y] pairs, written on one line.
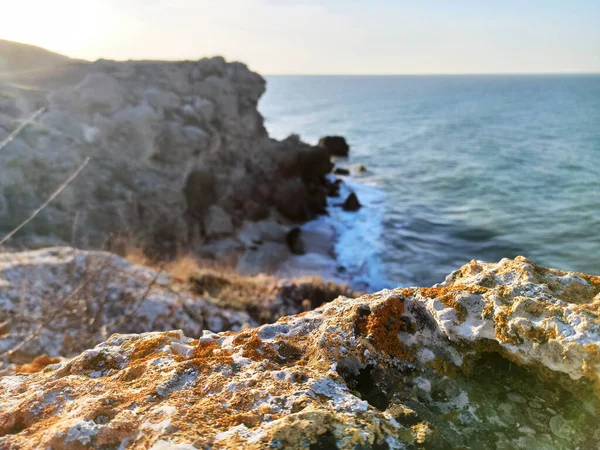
{"points": [[37, 365], [421, 432], [437, 292], [488, 311], [251, 349], [540, 335], [205, 355], [502, 330], [383, 324], [447, 295], [257, 350], [146, 347], [100, 362]]}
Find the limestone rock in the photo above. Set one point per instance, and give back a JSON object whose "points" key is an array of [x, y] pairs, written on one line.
{"points": [[217, 222], [500, 355], [166, 140], [162, 100], [82, 297], [100, 91]]}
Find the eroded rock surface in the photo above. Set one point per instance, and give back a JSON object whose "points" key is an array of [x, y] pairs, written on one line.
{"points": [[179, 156], [499, 356], [62, 301]]}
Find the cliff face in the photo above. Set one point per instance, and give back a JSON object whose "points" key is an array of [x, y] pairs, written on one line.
{"points": [[179, 156], [498, 356]]}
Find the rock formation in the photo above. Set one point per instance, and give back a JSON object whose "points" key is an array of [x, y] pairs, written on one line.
{"points": [[351, 203], [335, 145], [502, 355], [179, 156]]}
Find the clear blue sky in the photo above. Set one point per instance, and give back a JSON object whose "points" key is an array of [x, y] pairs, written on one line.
{"points": [[323, 37]]}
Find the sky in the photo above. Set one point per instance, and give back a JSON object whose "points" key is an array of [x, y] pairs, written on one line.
{"points": [[322, 37]]}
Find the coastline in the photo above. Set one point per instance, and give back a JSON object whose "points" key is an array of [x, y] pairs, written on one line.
{"points": [[354, 258]]}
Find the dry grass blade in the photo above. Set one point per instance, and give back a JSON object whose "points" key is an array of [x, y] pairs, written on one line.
{"points": [[47, 202], [16, 132]]}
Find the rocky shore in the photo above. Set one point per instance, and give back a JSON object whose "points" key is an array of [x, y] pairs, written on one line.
{"points": [[502, 355], [194, 331], [179, 161]]}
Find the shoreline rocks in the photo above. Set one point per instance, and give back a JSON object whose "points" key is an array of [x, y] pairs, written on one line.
{"points": [[351, 203], [500, 355], [335, 145]]}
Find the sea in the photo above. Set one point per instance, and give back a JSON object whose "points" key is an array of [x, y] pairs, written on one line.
{"points": [[459, 167]]}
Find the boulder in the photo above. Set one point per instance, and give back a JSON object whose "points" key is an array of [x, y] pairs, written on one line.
{"points": [[99, 91], [300, 159], [217, 223], [341, 171], [351, 203], [205, 108], [498, 356], [162, 100], [360, 168], [335, 145]]}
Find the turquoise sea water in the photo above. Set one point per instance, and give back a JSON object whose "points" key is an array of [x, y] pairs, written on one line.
{"points": [[460, 167]]}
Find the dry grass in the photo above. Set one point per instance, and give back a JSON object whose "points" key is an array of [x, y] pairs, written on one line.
{"points": [[265, 297]]}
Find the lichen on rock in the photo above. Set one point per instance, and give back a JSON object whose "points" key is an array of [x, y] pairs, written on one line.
{"points": [[407, 368]]}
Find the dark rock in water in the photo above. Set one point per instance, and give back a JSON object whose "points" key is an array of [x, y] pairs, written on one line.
{"points": [[333, 188], [351, 203], [360, 168], [300, 159], [294, 241], [335, 145], [341, 171]]}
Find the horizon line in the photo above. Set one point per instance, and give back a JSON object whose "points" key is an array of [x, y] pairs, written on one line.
{"points": [[424, 74]]}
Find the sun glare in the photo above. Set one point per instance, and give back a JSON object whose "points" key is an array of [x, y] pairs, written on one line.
{"points": [[66, 26]]}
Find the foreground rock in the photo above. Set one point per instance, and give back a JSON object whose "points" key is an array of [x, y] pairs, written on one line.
{"points": [[61, 301], [64, 300], [499, 356]]}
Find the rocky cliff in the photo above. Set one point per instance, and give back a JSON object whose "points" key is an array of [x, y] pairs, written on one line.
{"points": [[179, 156], [501, 356]]}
